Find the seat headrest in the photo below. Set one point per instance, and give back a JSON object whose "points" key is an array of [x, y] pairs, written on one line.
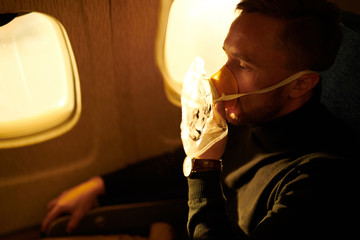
{"points": [[341, 83]]}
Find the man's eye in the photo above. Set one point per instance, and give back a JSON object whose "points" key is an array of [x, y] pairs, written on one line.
{"points": [[243, 66]]}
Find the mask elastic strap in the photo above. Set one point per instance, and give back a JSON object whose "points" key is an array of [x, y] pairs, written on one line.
{"points": [[264, 90]]}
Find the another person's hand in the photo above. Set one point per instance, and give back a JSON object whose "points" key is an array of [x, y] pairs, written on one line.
{"points": [[76, 201]]}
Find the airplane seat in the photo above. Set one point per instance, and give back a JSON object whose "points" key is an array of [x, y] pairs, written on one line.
{"points": [[340, 93], [341, 83], [128, 218]]}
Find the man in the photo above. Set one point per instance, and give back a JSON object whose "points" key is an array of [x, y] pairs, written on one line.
{"points": [[279, 163], [285, 167]]}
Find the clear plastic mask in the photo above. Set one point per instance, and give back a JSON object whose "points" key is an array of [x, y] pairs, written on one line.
{"points": [[201, 126]]}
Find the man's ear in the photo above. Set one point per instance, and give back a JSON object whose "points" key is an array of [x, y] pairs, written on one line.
{"points": [[304, 85]]}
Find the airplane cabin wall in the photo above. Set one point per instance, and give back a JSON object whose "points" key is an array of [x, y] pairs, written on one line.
{"points": [[125, 117]]}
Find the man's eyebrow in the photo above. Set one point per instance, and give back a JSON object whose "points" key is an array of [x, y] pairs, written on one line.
{"points": [[243, 57]]}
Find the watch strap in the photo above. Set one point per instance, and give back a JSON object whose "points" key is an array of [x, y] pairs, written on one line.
{"points": [[201, 165], [206, 165]]}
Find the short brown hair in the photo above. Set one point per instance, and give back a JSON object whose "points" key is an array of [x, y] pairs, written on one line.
{"points": [[312, 35]]}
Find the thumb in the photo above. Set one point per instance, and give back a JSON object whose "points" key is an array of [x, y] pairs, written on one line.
{"points": [[220, 108]]}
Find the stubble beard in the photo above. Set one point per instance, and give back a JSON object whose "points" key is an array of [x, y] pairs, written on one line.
{"points": [[259, 114]]}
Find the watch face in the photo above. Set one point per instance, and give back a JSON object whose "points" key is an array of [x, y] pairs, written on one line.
{"points": [[187, 166]]}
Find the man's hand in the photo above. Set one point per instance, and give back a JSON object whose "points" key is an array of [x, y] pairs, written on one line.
{"points": [[217, 150], [75, 201]]}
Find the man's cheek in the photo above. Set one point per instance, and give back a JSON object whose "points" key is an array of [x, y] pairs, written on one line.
{"points": [[232, 104]]}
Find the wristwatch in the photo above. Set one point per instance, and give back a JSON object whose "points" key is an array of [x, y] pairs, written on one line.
{"points": [[194, 165]]}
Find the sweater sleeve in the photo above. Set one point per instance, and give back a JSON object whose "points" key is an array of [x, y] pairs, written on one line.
{"points": [[157, 178], [207, 212]]}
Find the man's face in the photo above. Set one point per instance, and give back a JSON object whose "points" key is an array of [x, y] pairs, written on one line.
{"points": [[257, 59]]}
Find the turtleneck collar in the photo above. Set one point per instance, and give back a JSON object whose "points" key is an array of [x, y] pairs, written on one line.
{"points": [[296, 129]]}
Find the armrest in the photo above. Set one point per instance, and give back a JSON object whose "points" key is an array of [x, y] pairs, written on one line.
{"points": [[133, 218]]}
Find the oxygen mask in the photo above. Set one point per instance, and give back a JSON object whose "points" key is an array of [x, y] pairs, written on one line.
{"points": [[201, 126], [224, 84]]}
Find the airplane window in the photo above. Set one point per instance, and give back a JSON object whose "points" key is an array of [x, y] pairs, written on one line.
{"points": [[188, 29], [39, 83]]}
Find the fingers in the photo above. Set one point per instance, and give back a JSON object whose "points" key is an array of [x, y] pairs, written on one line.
{"points": [[220, 108], [52, 204], [75, 201], [74, 220], [54, 213], [78, 214]]}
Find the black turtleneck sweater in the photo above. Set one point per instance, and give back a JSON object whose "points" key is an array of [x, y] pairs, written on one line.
{"points": [[290, 178]]}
